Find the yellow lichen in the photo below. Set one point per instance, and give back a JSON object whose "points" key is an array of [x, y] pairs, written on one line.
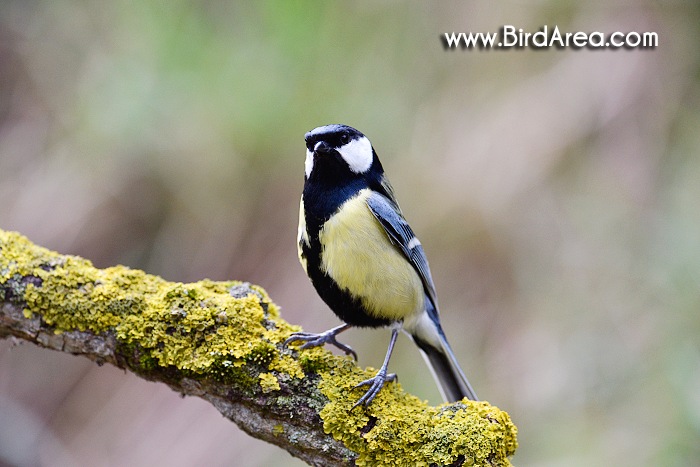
{"points": [[269, 383], [398, 429], [286, 364], [206, 328], [197, 327]]}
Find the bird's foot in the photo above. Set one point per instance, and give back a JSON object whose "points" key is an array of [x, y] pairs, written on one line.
{"points": [[375, 385], [314, 340]]}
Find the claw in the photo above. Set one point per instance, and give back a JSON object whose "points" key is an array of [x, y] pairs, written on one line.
{"points": [[375, 385], [314, 340], [381, 378]]}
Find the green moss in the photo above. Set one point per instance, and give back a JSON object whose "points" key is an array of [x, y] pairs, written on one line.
{"points": [[217, 329], [262, 353], [314, 363], [228, 373]]}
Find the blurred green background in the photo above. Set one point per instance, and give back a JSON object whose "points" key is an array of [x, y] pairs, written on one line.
{"points": [[557, 194]]}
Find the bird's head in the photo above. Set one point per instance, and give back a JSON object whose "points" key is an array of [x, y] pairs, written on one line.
{"points": [[339, 151]]}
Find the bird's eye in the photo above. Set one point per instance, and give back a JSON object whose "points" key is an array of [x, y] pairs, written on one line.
{"points": [[345, 138]]}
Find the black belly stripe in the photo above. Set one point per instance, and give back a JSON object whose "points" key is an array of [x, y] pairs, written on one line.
{"points": [[322, 197], [348, 308]]}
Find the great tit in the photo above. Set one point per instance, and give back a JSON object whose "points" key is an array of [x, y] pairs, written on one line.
{"points": [[364, 260]]}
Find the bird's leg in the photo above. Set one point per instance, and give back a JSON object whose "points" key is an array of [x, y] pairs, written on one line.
{"points": [[328, 337], [377, 383]]}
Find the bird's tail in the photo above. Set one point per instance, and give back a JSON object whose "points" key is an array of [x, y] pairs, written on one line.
{"points": [[428, 335]]}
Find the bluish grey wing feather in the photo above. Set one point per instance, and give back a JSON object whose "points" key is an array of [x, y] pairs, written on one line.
{"points": [[427, 333], [389, 216]]}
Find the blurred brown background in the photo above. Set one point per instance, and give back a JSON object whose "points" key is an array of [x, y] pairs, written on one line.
{"points": [[556, 192]]}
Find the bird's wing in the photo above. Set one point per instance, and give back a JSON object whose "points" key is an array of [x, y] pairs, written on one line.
{"points": [[389, 216]]}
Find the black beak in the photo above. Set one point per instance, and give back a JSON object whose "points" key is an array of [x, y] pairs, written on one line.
{"points": [[322, 147]]}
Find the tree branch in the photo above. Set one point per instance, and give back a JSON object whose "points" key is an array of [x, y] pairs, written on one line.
{"points": [[221, 341]]}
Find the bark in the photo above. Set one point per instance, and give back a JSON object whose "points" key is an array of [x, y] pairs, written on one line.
{"points": [[217, 341]]}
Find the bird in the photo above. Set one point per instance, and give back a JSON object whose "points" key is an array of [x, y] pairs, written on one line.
{"points": [[364, 260]]}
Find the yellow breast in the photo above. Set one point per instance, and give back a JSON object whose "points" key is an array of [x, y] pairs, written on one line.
{"points": [[359, 256]]}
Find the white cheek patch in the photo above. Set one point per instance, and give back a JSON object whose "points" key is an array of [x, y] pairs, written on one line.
{"points": [[309, 163], [357, 154]]}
